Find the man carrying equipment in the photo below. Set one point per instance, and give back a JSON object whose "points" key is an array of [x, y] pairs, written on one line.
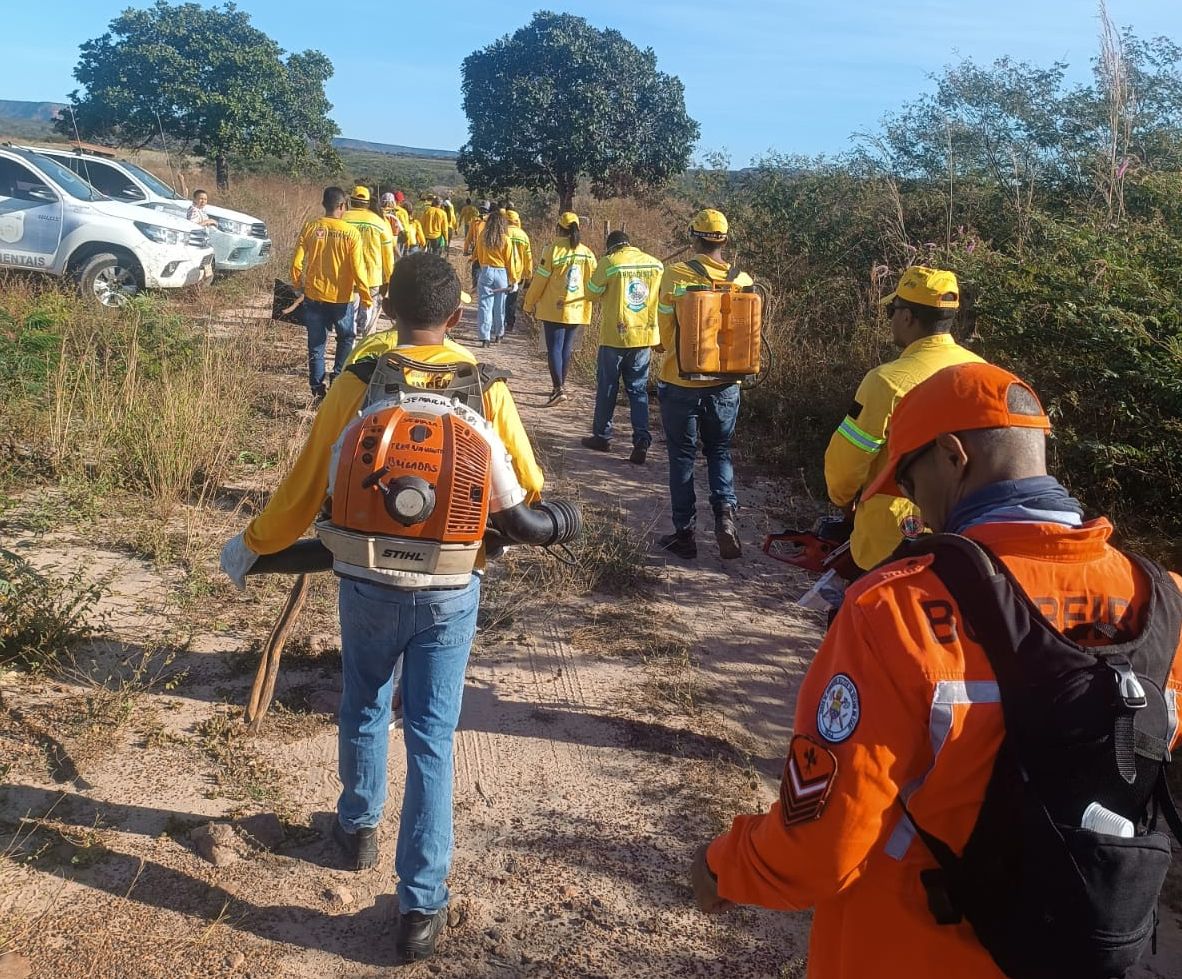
{"points": [[525, 254], [386, 619], [377, 254], [973, 785], [329, 267], [627, 283], [693, 410], [921, 313]]}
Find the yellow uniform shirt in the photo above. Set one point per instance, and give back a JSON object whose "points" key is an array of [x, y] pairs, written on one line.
{"points": [[855, 457], [627, 281], [435, 222], [298, 499], [450, 208], [328, 264], [505, 256], [416, 232], [468, 214], [558, 292], [377, 244], [524, 248], [673, 284]]}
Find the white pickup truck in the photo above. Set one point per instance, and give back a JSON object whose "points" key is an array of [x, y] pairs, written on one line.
{"points": [[239, 241], [54, 222]]}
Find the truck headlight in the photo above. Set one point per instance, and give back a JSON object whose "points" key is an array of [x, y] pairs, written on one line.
{"points": [[231, 227], [160, 235]]}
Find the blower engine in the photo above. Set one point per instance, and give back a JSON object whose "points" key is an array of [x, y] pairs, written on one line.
{"points": [[416, 483]]}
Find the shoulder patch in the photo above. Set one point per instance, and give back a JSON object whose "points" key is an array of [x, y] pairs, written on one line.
{"points": [[840, 709], [809, 774], [855, 411]]}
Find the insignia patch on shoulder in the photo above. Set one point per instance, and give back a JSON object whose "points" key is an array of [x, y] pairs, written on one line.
{"points": [[840, 709], [911, 527], [808, 779]]}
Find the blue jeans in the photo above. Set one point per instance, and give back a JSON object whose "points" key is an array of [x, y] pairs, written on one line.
{"points": [[319, 318], [560, 345], [490, 309], [689, 414], [632, 364], [431, 633]]}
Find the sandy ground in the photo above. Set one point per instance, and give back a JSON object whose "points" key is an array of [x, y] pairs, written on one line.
{"points": [[587, 770]]}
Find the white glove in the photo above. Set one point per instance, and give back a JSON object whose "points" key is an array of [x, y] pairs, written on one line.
{"points": [[237, 560]]}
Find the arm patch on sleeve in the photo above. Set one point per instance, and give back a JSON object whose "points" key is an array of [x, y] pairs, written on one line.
{"points": [[855, 411], [809, 774]]}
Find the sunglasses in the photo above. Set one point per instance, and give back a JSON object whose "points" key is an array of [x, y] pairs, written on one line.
{"points": [[902, 479]]}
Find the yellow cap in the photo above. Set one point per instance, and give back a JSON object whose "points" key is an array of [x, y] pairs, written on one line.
{"points": [[360, 193], [514, 218], [927, 287], [567, 219], [710, 224]]}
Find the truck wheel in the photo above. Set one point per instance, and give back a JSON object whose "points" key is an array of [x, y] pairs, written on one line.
{"points": [[107, 279]]}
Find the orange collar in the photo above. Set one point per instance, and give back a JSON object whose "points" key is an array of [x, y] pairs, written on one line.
{"points": [[1045, 541]]}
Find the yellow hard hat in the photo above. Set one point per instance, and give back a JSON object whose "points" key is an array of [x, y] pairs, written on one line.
{"points": [[567, 219], [360, 193], [927, 287], [710, 224]]}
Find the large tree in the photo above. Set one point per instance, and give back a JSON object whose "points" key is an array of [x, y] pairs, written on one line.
{"points": [[207, 79], [559, 99]]}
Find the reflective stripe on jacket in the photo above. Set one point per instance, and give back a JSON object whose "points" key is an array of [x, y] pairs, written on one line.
{"points": [[627, 282], [915, 710], [558, 292], [854, 458]]}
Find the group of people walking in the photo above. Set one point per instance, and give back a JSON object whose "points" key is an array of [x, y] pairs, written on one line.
{"points": [[912, 782]]}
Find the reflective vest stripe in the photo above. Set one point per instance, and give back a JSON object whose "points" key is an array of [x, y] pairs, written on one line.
{"points": [[947, 696], [858, 438]]}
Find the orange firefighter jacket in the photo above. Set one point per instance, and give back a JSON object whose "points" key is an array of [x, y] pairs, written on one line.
{"points": [[906, 705], [328, 264]]}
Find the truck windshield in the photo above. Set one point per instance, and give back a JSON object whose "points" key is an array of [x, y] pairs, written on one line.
{"points": [[155, 184], [67, 179]]}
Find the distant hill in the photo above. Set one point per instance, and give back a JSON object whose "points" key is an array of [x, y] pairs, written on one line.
{"points": [[391, 149], [28, 118]]}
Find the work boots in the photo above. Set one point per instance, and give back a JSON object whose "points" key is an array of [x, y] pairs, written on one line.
{"points": [[597, 442], [726, 531], [680, 543], [418, 934], [360, 848]]}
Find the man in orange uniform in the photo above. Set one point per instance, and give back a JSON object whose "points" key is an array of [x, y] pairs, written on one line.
{"points": [[900, 704]]}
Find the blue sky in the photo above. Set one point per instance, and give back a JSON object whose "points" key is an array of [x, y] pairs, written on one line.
{"points": [[779, 74]]}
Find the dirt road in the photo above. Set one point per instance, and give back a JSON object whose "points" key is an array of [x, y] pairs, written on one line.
{"points": [[604, 735]]}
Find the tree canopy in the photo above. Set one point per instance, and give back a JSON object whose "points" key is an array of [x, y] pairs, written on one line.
{"points": [[208, 79], [559, 99]]}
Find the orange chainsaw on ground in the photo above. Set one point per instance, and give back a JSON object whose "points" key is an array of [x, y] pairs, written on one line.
{"points": [[824, 548]]}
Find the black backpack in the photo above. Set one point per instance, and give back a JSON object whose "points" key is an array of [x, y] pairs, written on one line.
{"points": [[1083, 723]]}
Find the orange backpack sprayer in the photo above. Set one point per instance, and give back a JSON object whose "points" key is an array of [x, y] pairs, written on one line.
{"points": [[718, 329]]}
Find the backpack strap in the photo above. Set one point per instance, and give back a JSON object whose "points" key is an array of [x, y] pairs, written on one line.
{"points": [[698, 268]]}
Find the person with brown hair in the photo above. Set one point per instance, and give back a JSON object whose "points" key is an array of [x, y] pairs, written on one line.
{"points": [[500, 267]]}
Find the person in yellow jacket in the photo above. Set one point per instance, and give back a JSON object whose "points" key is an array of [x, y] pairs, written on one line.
{"points": [[693, 410], [474, 228], [525, 249], [377, 252], [452, 222], [435, 223], [328, 267], [468, 214], [558, 297], [423, 635], [500, 268], [921, 311], [627, 282]]}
